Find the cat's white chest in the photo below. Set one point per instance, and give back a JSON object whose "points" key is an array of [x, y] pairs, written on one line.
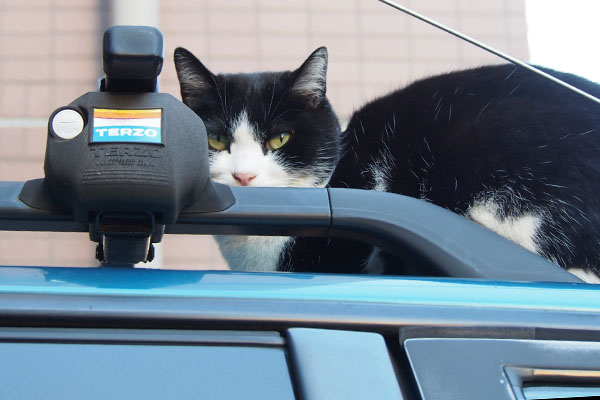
{"points": [[253, 253]]}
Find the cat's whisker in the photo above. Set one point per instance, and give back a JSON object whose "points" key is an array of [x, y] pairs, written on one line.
{"points": [[427, 144], [586, 132], [227, 109], [483, 109], [284, 114], [272, 97], [511, 73], [555, 186], [514, 90], [362, 127], [438, 108]]}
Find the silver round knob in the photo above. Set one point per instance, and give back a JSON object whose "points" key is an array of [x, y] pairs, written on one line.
{"points": [[67, 124]]}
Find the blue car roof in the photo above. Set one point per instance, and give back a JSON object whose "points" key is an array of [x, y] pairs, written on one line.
{"points": [[299, 286]]}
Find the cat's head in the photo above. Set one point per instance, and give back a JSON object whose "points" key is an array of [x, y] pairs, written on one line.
{"points": [[265, 129]]}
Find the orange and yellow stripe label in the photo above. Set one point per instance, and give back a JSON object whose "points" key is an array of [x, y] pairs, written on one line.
{"points": [[127, 114]]}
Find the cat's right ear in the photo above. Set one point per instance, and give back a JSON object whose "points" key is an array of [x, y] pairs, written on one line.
{"points": [[194, 78], [310, 81]]}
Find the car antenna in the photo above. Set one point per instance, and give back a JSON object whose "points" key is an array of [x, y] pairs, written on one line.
{"points": [[490, 49]]}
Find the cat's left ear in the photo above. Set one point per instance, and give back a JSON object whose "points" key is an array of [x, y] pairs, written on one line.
{"points": [[310, 79], [195, 79]]}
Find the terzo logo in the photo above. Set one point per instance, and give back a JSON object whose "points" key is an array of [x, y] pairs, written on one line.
{"points": [[137, 134], [126, 151]]}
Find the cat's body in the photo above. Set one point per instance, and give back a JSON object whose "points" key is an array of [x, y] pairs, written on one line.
{"points": [[504, 147]]}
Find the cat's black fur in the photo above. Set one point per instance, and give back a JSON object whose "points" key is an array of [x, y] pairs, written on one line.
{"points": [[494, 133]]}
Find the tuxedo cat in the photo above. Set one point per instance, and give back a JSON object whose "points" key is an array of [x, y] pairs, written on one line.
{"points": [[497, 144]]}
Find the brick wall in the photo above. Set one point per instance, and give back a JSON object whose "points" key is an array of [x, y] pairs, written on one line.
{"points": [[49, 52], [372, 47], [49, 55]]}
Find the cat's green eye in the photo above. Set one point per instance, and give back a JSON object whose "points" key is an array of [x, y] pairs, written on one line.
{"points": [[217, 141], [277, 141]]}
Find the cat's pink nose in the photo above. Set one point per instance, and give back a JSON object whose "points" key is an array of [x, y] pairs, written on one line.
{"points": [[244, 178]]}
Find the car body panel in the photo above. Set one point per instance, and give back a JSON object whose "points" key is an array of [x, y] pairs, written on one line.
{"points": [[310, 287]]}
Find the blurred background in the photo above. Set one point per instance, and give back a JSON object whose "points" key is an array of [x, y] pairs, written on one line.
{"points": [[50, 54]]}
